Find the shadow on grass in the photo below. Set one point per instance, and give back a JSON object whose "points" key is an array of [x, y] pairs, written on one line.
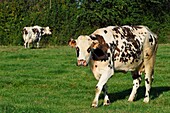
{"points": [[155, 93]]}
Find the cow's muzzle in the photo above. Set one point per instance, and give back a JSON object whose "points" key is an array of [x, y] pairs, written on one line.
{"points": [[81, 63]]}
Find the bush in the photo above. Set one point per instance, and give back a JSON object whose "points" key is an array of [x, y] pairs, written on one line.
{"points": [[70, 18]]}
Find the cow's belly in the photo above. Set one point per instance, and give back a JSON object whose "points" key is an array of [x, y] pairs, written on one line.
{"points": [[128, 66]]}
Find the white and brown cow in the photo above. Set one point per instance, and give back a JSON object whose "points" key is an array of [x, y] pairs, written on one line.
{"points": [[114, 48], [33, 34], [30, 35]]}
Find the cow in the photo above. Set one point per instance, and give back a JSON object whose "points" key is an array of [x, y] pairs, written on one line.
{"points": [[118, 48], [30, 35], [33, 34]]}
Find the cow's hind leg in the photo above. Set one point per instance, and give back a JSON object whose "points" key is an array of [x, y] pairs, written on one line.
{"points": [[38, 43], [106, 97], [136, 83], [149, 71]]}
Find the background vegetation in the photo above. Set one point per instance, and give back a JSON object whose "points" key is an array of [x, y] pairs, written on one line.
{"points": [[70, 18], [47, 80]]}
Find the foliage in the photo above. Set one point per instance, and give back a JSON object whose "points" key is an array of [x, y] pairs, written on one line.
{"points": [[71, 18], [47, 80]]}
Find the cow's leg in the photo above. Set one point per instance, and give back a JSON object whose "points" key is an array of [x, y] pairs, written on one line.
{"points": [[28, 45], [102, 81], [149, 71], [25, 45], [136, 83], [106, 97], [38, 45], [32, 44]]}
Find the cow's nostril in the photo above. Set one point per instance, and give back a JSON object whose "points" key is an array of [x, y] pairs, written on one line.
{"points": [[81, 62]]}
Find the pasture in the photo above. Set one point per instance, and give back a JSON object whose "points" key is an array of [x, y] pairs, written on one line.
{"points": [[47, 80]]}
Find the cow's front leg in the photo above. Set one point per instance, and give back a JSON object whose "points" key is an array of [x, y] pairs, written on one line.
{"points": [[103, 79], [106, 97], [28, 45], [25, 45], [136, 83]]}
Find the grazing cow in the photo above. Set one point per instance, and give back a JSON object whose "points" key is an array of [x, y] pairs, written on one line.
{"points": [[33, 34], [114, 48]]}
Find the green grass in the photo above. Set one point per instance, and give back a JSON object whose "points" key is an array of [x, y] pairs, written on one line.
{"points": [[47, 80]]}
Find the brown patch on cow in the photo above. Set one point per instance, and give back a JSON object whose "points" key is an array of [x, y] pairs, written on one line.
{"points": [[25, 31], [128, 33], [42, 30], [105, 31], [135, 75], [100, 39], [97, 89], [116, 36], [116, 29], [94, 45], [72, 43], [117, 53], [137, 27], [147, 81], [151, 39], [101, 44], [147, 54], [35, 30], [92, 37]]}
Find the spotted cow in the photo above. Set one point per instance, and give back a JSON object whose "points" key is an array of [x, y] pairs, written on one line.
{"points": [[118, 48], [33, 34], [30, 35]]}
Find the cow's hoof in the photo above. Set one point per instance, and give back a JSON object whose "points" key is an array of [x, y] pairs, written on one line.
{"points": [[130, 100], [146, 100], [94, 104], [106, 102]]}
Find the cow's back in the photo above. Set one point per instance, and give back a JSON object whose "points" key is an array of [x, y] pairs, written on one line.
{"points": [[131, 45]]}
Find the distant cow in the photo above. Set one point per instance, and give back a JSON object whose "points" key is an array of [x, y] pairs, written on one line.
{"points": [[30, 35], [114, 48], [33, 34]]}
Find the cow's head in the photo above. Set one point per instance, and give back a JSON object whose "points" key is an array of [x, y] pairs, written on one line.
{"points": [[46, 30], [83, 49], [87, 47]]}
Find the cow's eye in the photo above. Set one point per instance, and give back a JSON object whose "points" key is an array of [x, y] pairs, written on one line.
{"points": [[88, 50], [77, 50]]}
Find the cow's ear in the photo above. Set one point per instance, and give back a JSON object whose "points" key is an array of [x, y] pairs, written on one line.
{"points": [[94, 45], [72, 42]]}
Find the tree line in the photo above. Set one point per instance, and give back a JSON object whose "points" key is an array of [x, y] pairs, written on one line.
{"points": [[71, 18]]}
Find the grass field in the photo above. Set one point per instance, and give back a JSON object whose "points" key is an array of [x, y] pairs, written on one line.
{"points": [[47, 80]]}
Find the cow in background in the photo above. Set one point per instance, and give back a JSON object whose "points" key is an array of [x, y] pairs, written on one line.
{"points": [[33, 35], [115, 48], [30, 35]]}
